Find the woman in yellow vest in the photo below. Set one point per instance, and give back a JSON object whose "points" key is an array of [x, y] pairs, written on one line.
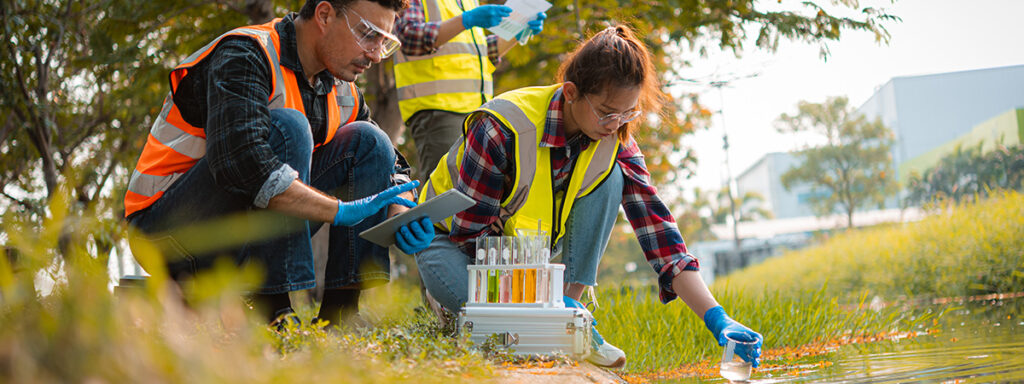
{"points": [[563, 155]]}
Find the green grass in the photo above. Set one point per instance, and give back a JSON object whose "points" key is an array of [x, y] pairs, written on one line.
{"points": [[964, 249], [804, 296]]}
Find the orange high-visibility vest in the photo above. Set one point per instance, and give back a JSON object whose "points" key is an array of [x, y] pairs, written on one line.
{"points": [[174, 146]]}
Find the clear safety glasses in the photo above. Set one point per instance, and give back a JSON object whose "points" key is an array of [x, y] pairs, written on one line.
{"points": [[617, 118], [372, 39]]}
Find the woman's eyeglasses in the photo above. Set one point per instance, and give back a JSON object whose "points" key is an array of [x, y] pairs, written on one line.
{"points": [[618, 118]]}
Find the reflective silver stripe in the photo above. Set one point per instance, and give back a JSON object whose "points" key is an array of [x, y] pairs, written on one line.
{"points": [[171, 136], [599, 164], [449, 48], [345, 99], [429, 88], [149, 185], [431, 10], [526, 131], [279, 98]]}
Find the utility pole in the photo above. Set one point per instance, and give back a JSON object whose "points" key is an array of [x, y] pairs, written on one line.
{"points": [[730, 189]]}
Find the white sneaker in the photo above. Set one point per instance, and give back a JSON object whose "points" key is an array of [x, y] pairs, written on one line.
{"points": [[607, 355]]}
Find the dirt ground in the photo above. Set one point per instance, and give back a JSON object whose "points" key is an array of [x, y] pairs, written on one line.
{"points": [[582, 373]]}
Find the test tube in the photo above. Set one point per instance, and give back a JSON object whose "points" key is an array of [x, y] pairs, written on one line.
{"points": [[530, 280], [543, 257], [505, 278], [479, 280], [493, 243]]}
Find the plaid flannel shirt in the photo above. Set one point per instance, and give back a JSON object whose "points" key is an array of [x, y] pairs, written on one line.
{"points": [[418, 36], [227, 94], [489, 158]]}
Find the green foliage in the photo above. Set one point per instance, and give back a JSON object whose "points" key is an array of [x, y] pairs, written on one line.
{"points": [[967, 249], [968, 173], [853, 169], [59, 322]]}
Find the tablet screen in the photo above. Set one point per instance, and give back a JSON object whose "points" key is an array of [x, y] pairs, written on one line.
{"points": [[438, 208]]}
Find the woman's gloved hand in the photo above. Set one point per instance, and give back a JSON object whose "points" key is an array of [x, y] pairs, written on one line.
{"points": [[721, 324], [485, 16], [351, 213], [415, 236]]}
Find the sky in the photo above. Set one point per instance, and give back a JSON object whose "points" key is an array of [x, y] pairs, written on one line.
{"points": [[935, 36]]}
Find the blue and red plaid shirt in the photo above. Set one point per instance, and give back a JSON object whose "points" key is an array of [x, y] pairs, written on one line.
{"points": [[488, 162], [418, 36]]}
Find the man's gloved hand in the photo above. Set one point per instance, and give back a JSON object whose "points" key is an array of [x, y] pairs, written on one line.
{"points": [[721, 324], [351, 213], [485, 16], [415, 236]]}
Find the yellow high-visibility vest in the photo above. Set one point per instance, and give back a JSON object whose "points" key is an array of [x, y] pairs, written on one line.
{"points": [[532, 198], [455, 78]]}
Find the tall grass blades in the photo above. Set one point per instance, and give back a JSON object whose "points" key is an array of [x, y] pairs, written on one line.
{"points": [[964, 249]]}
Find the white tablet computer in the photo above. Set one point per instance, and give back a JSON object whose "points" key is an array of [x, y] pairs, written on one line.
{"points": [[438, 208]]}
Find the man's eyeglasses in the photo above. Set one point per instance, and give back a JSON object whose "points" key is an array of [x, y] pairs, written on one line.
{"points": [[372, 39], [618, 118]]}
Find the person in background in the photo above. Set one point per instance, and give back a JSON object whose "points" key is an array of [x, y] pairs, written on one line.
{"points": [[569, 143], [444, 68], [266, 121]]}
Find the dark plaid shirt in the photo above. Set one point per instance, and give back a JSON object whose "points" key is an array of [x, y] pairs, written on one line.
{"points": [[228, 93], [419, 37], [489, 163]]}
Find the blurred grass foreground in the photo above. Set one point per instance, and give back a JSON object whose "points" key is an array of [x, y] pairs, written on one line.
{"points": [[79, 331]]}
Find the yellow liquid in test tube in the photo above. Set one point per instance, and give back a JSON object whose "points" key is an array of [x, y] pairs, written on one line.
{"points": [[530, 286], [517, 286]]}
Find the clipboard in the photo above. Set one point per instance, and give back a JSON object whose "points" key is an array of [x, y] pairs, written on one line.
{"points": [[438, 208]]}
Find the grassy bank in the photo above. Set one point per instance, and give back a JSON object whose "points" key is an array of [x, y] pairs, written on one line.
{"points": [[806, 296], [965, 249]]}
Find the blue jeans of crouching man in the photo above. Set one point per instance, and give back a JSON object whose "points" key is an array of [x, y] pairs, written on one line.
{"points": [[196, 221]]}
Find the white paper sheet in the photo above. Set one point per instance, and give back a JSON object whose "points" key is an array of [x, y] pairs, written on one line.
{"points": [[522, 12]]}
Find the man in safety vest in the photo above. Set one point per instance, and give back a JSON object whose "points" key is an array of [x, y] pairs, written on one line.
{"points": [[264, 131], [444, 68]]}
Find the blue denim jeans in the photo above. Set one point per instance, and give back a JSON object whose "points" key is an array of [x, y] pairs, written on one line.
{"points": [[359, 151], [442, 265]]}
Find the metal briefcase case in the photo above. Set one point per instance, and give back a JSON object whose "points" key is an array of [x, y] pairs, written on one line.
{"points": [[530, 331]]}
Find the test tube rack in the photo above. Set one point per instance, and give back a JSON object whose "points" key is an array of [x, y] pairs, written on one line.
{"points": [[551, 288]]}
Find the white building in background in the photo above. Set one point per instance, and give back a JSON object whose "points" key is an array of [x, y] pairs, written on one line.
{"points": [[923, 112]]}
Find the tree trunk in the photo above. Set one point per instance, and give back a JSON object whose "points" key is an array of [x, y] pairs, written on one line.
{"points": [[259, 11], [382, 97]]}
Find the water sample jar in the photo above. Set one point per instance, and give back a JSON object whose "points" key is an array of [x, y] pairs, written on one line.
{"points": [[733, 367]]}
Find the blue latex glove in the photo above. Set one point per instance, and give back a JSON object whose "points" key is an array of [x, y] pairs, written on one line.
{"points": [[351, 213], [485, 16], [415, 236], [537, 25], [721, 324]]}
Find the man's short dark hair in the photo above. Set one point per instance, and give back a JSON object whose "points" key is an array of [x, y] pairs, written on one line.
{"points": [[339, 5]]}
